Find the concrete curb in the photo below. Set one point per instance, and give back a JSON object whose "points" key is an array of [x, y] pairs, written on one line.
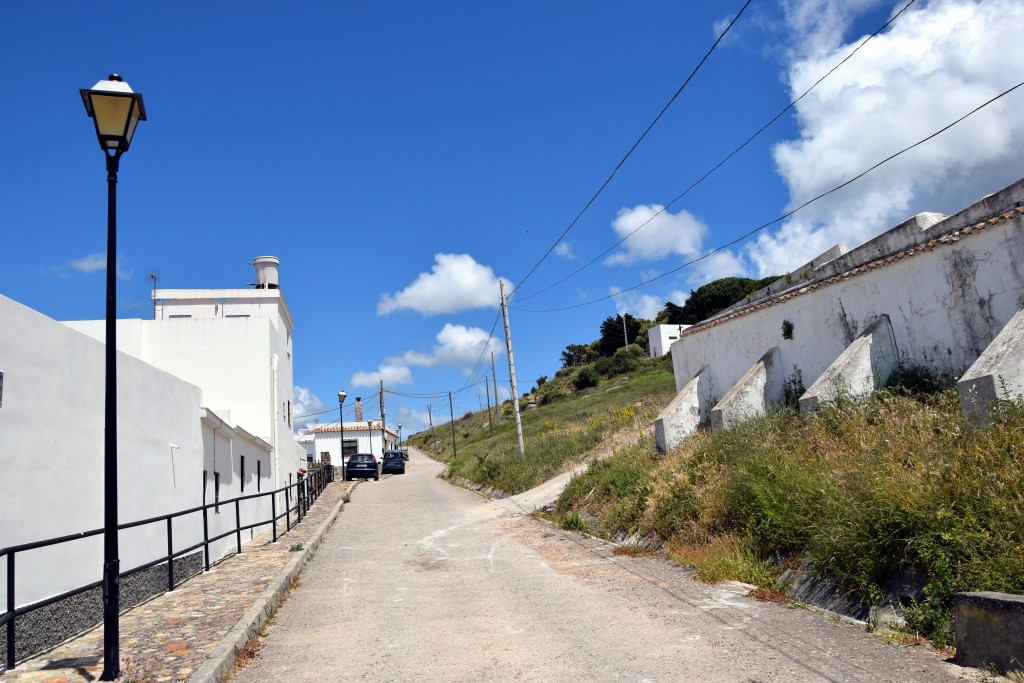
{"points": [[222, 659]]}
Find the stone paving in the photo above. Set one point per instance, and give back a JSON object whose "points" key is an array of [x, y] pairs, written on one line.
{"points": [[173, 635]]}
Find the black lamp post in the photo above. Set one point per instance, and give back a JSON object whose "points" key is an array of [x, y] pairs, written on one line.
{"points": [[115, 110], [341, 431], [399, 436]]}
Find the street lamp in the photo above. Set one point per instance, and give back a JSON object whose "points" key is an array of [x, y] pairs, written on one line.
{"points": [[341, 431], [399, 436], [115, 110]]}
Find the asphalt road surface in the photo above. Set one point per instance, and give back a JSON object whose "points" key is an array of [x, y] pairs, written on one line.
{"points": [[419, 580]]}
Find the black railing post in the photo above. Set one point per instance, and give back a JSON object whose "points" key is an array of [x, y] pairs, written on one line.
{"points": [[206, 535], [238, 527], [170, 555], [273, 514], [10, 610], [287, 508]]}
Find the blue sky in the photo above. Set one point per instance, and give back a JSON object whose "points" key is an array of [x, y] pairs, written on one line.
{"points": [[400, 157]]}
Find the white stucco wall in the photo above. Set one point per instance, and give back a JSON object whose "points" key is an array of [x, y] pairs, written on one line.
{"points": [[946, 302], [51, 452]]}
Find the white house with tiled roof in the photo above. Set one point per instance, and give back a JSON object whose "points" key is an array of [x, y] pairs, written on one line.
{"points": [[360, 437]]}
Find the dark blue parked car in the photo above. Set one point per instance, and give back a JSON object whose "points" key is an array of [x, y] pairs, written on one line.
{"points": [[394, 461], [362, 466]]}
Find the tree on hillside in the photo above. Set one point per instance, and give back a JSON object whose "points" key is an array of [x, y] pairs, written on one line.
{"points": [[711, 298], [612, 336], [578, 354]]}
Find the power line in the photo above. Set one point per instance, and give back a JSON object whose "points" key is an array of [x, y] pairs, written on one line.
{"points": [[332, 410], [785, 215], [631, 149], [723, 161]]}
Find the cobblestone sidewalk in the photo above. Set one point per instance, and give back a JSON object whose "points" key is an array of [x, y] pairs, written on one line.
{"points": [[190, 634]]}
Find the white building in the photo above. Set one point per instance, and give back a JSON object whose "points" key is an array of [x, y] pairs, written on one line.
{"points": [[305, 439], [51, 453], [661, 337], [203, 411], [236, 346], [360, 437]]}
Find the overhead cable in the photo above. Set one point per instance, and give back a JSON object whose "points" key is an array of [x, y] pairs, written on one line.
{"points": [[721, 163], [636, 144], [783, 216]]}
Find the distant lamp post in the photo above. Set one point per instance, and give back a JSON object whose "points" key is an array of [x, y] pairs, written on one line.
{"points": [[341, 431], [399, 436], [115, 110]]}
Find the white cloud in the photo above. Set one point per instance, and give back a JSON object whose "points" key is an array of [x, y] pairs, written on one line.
{"points": [[93, 262], [305, 402], [645, 306], [935, 63], [457, 345], [456, 283], [665, 234], [564, 249], [392, 374]]}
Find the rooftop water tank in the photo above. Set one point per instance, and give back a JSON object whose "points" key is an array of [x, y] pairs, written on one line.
{"points": [[266, 272]]}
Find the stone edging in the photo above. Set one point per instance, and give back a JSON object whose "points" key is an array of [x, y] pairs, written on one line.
{"points": [[222, 659]]}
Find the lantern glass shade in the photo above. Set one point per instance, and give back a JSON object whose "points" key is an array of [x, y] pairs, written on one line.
{"points": [[116, 111], [341, 396]]}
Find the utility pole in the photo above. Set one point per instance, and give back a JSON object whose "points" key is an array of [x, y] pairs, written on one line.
{"points": [[451, 411], [497, 401], [383, 443], [625, 337], [430, 419], [512, 370], [490, 422]]}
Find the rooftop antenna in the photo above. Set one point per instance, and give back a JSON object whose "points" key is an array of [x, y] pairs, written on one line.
{"points": [[153, 274]]}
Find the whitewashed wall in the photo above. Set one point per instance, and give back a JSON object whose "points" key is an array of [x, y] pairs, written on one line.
{"points": [[51, 456], [51, 452], [946, 301]]}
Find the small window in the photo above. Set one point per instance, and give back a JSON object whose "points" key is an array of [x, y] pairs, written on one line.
{"points": [[216, 492], [259, 474], [289, 413], [1, 390], [206, 476], [238, 315], [179, 316], [241, 476]]}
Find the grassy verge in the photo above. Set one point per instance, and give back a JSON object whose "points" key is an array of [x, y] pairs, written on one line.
{"points": [[899, 483], [562, 428]]}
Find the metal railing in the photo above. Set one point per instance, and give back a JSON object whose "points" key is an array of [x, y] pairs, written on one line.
{"points": [[306, 491]]}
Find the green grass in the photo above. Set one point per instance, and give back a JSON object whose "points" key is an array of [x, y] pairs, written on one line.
{"points": [[898, 483], [563, 427]]}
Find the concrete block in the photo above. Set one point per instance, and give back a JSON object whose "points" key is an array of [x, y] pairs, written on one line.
{"points": [[761, 387], [997, 374], [681, 418], [864, 367], [989, 630]]}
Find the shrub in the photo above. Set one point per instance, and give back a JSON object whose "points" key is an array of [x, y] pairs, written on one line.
{"points": [[586, 377]]}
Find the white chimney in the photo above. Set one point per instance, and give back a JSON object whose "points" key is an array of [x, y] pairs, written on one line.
{"points": [[266, 272]]}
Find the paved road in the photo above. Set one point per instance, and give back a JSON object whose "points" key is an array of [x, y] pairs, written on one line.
{"points": [[419, 580]]}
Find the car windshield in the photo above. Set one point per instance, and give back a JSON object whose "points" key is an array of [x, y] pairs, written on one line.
{"points": [[360, 458]]}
